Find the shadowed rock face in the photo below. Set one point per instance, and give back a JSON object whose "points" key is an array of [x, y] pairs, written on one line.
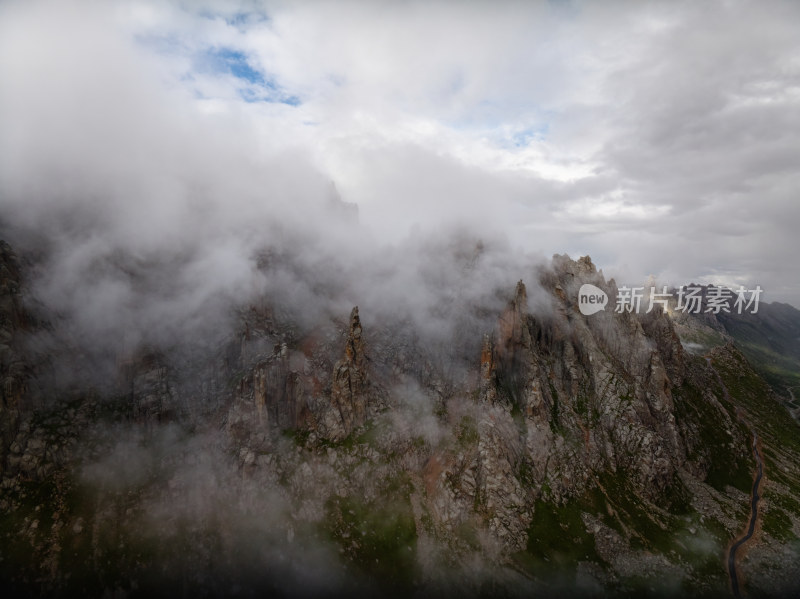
{"points": [[512, 346], [13, 366], [146, 378], [278, 392]]}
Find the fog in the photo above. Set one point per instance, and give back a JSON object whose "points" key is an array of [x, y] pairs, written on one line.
{"points": [[177, 134], [150, 217]]}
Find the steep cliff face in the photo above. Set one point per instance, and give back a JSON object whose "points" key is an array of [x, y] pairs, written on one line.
{"points": [[273, 395], [593, 393], [278, 391], [293, 390], [564, 401]]}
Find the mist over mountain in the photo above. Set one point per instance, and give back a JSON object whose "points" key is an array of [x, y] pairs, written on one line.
{"points": [[289, 299], [438, 444]]}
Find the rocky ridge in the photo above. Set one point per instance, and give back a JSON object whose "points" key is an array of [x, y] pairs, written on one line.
{"points": [[371, 444]]}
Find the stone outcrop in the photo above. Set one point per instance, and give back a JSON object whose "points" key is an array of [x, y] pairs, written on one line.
{"points": [[274, 395], [350, 386], [595, 392], [287, 390], [279, 391]]}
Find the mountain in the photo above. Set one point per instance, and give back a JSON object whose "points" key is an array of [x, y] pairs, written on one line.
{"points": [[492, 441], [769, 338]]}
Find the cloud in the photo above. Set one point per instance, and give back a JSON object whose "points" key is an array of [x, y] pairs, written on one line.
{"points": [[658, 138]]}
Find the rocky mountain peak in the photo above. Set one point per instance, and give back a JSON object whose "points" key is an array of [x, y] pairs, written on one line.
{"points": [[512, 323], [349, 386], [354, 349], [520, 294], [585, 265]]}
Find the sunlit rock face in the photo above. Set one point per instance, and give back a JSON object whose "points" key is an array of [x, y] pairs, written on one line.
{"points": [[604, 380], [565, 398], [593, 393]]}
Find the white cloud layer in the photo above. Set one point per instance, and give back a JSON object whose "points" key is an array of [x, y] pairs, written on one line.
{"points": [[658, 137]]}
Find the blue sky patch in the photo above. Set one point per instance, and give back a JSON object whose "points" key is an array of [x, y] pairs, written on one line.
{"points": [[235, 63], [257, 85]]}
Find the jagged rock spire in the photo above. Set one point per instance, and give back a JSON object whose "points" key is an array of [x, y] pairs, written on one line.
{"points": [[507, 353], [513, 332], [349, 389], [354, 350]]}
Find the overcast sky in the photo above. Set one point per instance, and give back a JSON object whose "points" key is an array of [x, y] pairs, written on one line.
{"points": [[660, 138]]}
